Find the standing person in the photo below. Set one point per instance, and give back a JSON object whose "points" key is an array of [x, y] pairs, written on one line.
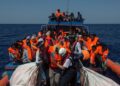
{"points": [[54, 71], [77, 54], [79, 17], [40, 60], [76, 48], [69, 71], [59, 15]]}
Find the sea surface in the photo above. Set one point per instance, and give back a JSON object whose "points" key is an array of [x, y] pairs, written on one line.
{"points": [[9, 33]]}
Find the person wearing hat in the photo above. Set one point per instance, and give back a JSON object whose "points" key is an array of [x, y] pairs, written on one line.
{"points": [[69, 71]]}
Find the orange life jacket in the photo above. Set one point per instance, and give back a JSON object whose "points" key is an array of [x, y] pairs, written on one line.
{"points": [[66, 44], [34, 48], [94, 42], [88, 43], [15, 52], [98, 50], [47, 39], [39, 34], [54, 60], [29, 50], [58, 14], [86, 54], [34, 41], [30, 53], [24, 43], [51, 49], [92, 57]]}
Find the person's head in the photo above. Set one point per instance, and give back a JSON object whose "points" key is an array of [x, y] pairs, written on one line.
{"points": [[39, 34], [13, 45], [33, 37], [62, 42], [57, 50], [58, 10], [40, 42], [28, 38], [78, 13], [19, 42], [62, 52], [104, 47], [63, 13], [93, 48], [85, 37], [79, 37]]}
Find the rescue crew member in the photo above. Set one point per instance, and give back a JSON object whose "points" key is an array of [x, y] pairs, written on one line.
{"points": [[69, 72]]}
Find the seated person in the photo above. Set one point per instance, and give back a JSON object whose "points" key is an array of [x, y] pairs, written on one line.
{"points": [[79, 17], [52, 17]]}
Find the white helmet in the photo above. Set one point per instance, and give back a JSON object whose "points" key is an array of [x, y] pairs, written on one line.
{"points": [[62, 51]]}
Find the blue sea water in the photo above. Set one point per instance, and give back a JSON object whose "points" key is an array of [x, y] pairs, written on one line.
{"points": [[9, 33]]}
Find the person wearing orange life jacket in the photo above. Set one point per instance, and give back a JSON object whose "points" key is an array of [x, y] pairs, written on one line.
{"points": [[62, 44], [58, 13], [94, 40], [14, 53], [48, 39], [54, 71], [100, 56], [88, 42], [103, 51], [26, 41], [68, 68], [34, 42], [27, 51], [39, 35], [93, 56], [66, 42]]}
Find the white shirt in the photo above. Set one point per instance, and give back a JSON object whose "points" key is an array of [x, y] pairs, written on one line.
{"points": [[67, 63], [38, 59], [78, 49]]}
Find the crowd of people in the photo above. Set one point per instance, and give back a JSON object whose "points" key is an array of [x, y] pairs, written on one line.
{"points": [[63, 16], [59, 51]]}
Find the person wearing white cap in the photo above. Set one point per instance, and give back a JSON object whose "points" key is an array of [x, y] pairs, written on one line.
{"points": [[69, 72]]}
